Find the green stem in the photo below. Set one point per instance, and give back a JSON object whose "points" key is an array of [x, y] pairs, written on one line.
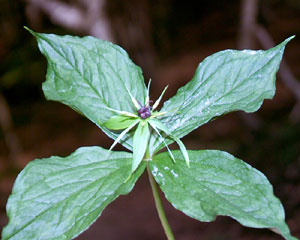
{"points": [[159, 206]]}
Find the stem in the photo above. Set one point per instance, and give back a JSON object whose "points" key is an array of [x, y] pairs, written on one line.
{"points": [[159, 206]]}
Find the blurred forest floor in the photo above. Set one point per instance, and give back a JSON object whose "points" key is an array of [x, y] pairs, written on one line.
{"points": [[179, 36]]}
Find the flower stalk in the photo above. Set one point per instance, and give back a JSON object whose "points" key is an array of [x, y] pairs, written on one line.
{"points": [[159, 206]]}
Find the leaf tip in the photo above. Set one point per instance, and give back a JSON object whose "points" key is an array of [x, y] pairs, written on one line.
{"points": [[287, 40], [30, 31], [290, 38]]}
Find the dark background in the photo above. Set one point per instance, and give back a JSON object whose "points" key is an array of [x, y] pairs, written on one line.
{"points": [[168, 39]]}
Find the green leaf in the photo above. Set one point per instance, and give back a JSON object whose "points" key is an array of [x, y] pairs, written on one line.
{"points": [[140, 143], [58, 198], [119, 122], [90, 75], [219, 184], [226, 81]]}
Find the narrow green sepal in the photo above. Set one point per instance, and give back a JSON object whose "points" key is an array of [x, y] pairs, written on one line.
{"points": [[128, 114], [156, 114], [123, 134], [119, 122], [140, 143], [134, 101], [163, 128], [148, 91], [183, 150], [155, 105], [158, 133]]}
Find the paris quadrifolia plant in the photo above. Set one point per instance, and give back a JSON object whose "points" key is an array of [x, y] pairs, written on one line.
{"points": [[59, 198]]}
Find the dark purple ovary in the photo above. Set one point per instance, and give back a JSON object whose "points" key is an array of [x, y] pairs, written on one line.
{"points": [[144, 112]]}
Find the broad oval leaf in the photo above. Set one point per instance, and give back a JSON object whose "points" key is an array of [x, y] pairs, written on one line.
{"points": [[89, 75], [58, 198], [226, 81], [217, 183]]}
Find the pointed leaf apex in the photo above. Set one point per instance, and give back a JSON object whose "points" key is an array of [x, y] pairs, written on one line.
{"points": [[289, 39], [29, 30], [285, 42], [35, 34]]}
